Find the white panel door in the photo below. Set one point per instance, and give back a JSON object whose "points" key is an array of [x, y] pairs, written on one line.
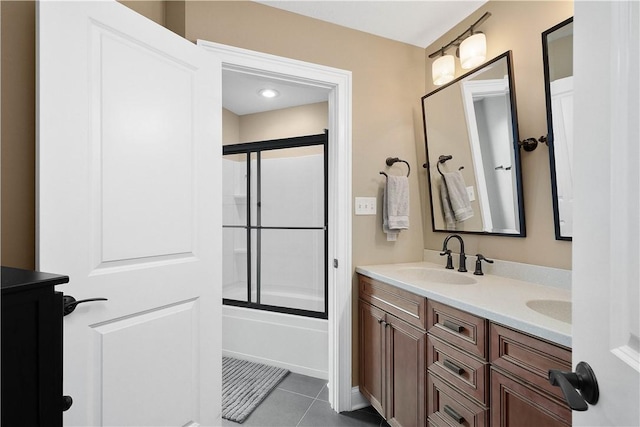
{"points": [[129, 160], [606, 242]]}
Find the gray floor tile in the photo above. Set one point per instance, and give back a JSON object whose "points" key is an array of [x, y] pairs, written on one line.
{"points": [[302, 384], [321, 415], [324, 394], [279, 409]]}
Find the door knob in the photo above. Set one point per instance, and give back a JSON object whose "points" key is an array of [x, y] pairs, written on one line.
{"points": [[70, 303], [67, 401], [582, 380]]}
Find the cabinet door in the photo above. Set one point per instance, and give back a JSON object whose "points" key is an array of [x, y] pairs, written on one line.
{"points": [[406, 374], [372, 357], [514, 404]]}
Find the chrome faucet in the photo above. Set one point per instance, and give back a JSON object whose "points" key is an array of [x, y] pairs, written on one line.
{"points": [[446, 251]]}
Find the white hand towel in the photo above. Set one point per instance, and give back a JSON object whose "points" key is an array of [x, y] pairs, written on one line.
{"points": [[395, 206], [458, 196], [449, 218]]}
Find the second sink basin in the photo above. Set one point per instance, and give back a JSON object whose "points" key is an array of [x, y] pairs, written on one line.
{"points": [[436, 276], [556, 309]]}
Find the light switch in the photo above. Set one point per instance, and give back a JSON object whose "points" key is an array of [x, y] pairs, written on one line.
{"points": [[471, 193], [365, 205]]}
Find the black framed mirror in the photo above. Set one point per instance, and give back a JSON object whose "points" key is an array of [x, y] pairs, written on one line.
{"points": [[557, 54], [473, 156]]}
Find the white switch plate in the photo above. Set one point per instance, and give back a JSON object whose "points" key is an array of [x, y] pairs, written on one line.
{"points": [[471, 193], [366, 205]]}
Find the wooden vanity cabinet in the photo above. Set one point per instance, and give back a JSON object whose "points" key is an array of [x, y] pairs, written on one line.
{"points": [[392, 352], [458, 370], [521, 395], [426, 363]]}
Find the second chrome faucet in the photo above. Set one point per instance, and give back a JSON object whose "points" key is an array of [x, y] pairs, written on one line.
{"points": [[446, 251]]}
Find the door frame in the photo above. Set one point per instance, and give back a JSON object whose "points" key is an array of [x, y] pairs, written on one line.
{"points": [[338, 82]]}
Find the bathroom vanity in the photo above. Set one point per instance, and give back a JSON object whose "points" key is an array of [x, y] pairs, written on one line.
{"points": [[443, 348]]}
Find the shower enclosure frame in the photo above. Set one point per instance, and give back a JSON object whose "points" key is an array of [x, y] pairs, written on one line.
{"points": [[258, 147]]}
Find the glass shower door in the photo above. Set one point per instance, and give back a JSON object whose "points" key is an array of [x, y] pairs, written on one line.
{"points": [[275, 236]]}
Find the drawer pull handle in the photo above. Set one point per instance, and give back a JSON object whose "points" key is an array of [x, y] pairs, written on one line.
{"points": [[453, 367], [452, 326], [453, 414]]}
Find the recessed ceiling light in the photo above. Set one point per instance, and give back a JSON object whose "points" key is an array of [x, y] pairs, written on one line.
{"points": [[269, 93]]}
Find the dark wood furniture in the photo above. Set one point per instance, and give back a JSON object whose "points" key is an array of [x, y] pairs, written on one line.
{"points": [[31, 348], [425, 363], [392, 352]]}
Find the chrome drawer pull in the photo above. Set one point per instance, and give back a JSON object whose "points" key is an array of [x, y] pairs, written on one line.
{"points": [[452, 326], [453, 414], [453, 367]]}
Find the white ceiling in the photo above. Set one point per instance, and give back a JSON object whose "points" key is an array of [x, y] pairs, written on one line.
{"points": [[418, 23], [240, 93]]}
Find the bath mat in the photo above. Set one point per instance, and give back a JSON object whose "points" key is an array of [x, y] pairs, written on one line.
{"points": [[245, 385]]}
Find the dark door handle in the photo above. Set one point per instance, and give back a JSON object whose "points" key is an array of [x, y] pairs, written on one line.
{"points": [[70, 303], [67, 401], [582, 380]]}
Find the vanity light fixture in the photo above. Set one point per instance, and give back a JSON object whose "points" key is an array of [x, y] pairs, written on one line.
{"points": [[443, 69], [269, 93], [471, 48], [473, 51]]}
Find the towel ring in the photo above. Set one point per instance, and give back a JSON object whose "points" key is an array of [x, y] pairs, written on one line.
{"points": [[390, 162], [442, 159]]}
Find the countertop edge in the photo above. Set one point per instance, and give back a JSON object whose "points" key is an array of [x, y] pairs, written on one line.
{"points": [[539, 331]]}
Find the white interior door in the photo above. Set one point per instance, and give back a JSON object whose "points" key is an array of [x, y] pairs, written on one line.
{"points": [[606, 244], [129, 203]]}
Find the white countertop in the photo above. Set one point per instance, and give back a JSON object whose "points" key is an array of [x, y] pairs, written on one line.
{"points": [[499, 299]]}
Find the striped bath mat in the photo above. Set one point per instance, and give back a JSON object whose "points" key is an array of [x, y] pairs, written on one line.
{"points": [[245, 385]]}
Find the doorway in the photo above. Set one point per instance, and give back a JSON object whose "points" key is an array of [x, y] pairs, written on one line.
{"points": [[339, 277]]}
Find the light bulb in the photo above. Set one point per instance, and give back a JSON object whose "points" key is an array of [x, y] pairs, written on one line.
{"points": [[269, 93]]}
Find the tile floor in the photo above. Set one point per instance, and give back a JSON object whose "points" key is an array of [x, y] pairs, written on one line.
{"points": [[302, 401]]}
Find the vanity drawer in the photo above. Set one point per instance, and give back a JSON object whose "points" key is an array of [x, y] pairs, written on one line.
{"points": [[527, 357], [457, 327], [447, 407], [465, 373], [402, 304]]}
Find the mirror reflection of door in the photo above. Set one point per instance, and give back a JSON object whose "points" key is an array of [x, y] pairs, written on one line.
{"points": [[557, 44], [487, 111]]}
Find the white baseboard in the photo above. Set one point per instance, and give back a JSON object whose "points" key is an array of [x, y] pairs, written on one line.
{"points": [[358, 401]]}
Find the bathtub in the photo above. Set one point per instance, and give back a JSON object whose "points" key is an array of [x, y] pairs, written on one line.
{"points": [[297, 343]]}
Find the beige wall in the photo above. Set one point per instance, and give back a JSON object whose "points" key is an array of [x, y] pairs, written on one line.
{"points": [[18, 134], [517, 26], [230, 127], [308, 119]]}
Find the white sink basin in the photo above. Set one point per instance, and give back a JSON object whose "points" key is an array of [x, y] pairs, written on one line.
{"points": [[434, 275], [556, 309]]}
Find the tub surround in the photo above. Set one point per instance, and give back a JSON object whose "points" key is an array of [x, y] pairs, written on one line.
{"points": [[496, 298]]}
